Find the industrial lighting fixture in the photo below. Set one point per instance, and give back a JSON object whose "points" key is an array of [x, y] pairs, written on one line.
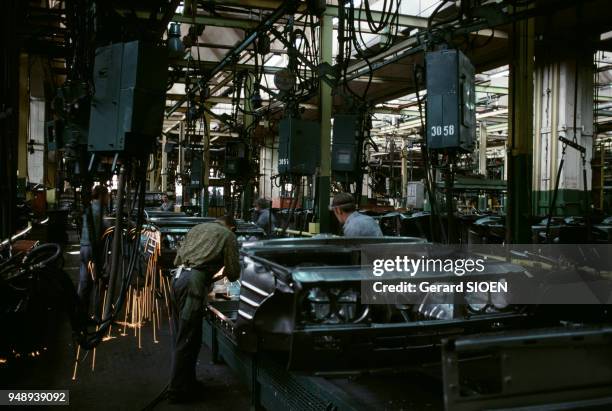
{"points": [[256, 100], [176, 48]]}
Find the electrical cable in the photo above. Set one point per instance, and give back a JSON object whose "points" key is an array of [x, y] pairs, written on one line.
{"points": [[89, 340], [296, 185], [386, 21], [429, 183], [159, 398]]}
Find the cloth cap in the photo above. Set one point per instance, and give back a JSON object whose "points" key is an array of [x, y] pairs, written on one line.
{"points": [[342, 199]]}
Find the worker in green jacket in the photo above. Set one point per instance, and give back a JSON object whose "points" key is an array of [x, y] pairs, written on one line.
{"points": [[208, 253]]}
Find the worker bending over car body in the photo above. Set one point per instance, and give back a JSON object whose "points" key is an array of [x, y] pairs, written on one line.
{"points": [[208, 253]]}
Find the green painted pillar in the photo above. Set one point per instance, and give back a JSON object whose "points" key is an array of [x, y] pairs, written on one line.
{"points": [[520, 132], [248, 119], [563, 74], [325, 106]]}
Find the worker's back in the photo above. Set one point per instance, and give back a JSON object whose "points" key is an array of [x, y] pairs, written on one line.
{"points": [[210, 244], [266, 220], [361, 225]]}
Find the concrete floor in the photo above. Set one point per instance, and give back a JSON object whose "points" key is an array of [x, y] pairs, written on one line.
{"points": [[125, 377]]}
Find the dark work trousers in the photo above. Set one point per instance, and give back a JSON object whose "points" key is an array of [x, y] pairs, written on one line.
{"points": [[85, 281], [186, 333]]}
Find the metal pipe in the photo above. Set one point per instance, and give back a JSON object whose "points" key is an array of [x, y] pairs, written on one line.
{"points": [[16, 236], [294, 232], [301, 57]]}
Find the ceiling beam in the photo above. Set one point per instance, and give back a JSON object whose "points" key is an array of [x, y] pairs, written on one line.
{"points": [[207, 64], [491, 89], [215, 21], [403, 19], [252, 4]]}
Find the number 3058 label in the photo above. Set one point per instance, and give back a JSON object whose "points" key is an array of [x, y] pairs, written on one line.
{"points": [[443, 130], [34, 397]]}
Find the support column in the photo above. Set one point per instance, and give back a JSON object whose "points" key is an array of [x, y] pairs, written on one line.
{"points": [[482, 149], [404, 172], [24, 114], [152, 174], [38, 161], [248, 120], [325, 105], [9, 111], [164, 165], [482, 162], [564, 78], [520, 133], [35, 134]]}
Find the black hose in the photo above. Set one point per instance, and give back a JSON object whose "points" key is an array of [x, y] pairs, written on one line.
{"points": [[553, 201], [296, 195], [159, 398], [429, 184], [30, 258]]}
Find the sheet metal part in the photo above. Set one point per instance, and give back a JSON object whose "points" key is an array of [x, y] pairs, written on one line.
{"points": [[497, 371], [278, 277]]}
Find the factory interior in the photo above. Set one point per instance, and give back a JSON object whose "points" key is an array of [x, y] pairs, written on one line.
{"points": [[206, 204]]}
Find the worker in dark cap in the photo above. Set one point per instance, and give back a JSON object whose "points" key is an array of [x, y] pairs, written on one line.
{"points": [[264, 217], [354, 224], [208, 253]]}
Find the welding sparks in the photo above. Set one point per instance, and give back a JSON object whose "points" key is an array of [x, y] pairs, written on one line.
{"points": [[129, 325], [142, 305]]}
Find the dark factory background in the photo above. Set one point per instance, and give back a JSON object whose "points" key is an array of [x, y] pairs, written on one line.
{"points": [[472, 123]]}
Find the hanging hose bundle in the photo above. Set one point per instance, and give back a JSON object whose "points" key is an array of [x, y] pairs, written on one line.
{"points": [[296, 186], [429, 181], [33, 290], [34, 286], [387, 26], [89, 340]]}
